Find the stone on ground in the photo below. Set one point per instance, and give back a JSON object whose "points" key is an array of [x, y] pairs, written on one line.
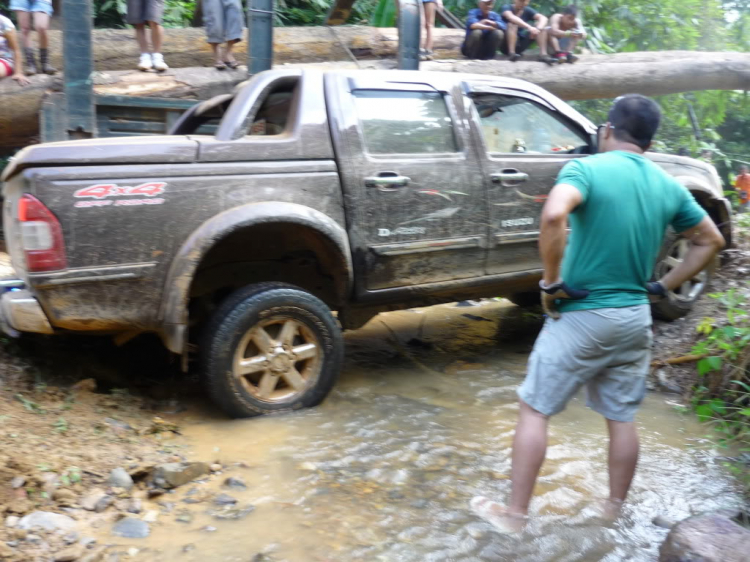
{"points": [[711, 537]]}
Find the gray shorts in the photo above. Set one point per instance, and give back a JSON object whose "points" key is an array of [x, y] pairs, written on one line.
{"points": [[141, 11], [223, 20], [606, 349]]}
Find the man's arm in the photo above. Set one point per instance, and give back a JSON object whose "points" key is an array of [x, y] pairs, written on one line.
{"points": [[552, 237], [554, 26], [707, 241], [541, 21]]}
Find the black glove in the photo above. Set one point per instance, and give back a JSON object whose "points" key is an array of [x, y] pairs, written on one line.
{"points": [[656, 291], [557, 291]]}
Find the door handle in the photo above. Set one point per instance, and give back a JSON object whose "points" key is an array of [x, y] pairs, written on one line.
{"points": [[510, 175], [386, 180]]}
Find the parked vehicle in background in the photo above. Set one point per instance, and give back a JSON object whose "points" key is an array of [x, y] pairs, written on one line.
{"points": [[347, 191]]}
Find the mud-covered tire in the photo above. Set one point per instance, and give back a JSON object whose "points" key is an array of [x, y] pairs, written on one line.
{"points": [[681, 301], [261, 307], [526, 299]]}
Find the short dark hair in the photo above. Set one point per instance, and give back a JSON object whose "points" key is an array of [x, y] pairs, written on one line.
{"points": [[571, 10], [635, 118]]}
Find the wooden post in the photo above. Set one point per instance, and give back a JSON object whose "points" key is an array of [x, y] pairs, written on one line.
{"points": [[79, 66], [260, 30], [409, 29]]}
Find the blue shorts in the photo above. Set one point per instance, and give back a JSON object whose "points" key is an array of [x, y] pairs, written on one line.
{"points": [[44, 6]]}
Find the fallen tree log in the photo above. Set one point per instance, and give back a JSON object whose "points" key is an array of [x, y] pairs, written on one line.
{"points": [[116, 49], [594, 76]]}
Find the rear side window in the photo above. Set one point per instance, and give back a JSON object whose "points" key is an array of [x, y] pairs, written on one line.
{"points": [[395, 122]]}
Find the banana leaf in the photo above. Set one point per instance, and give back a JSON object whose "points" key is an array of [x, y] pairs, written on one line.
{"points": [[385, 14]]}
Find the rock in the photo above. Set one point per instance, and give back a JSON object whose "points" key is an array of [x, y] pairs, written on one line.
{"points": [[11, 521], [172, 475], [150, 516], [69, 554], [34, 539], [133, 552], [184, 516], [135, 505], [666, 383], [96, 500], [6, 551], [17, 482], [224, 499], [215, 467], [711, 537], [131, 528], [85, 385], [86, 541], [96, 555], [233, 482], [232, 514], [663, 522], [64, 496], [188, 548], [209, 529], [120, 478], [46, 520], [70, 538]]}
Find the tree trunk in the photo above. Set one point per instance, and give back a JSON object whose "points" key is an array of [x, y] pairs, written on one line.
{"points": [[594, 76], [116, 49]]}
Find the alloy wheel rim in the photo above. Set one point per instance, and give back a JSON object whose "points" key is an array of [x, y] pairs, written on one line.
{"points": [[277, 359], [691, 288]]}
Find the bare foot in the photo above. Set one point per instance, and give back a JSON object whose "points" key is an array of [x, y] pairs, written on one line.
{"points": [[498, 516]]}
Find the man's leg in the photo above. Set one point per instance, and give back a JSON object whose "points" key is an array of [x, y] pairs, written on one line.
{"points": [[24, 25], [623, 458], [157, 36], [140, 36], [41, 24], [473, 44], [541, 39], [429, 24], [511, 36], [491, 40], [529, 450]]}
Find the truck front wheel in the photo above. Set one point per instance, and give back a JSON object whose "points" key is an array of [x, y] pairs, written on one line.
{"points": [[270, 347]]}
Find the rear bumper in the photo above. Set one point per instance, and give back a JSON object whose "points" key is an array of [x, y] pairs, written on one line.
{"points": [[20, 311]]}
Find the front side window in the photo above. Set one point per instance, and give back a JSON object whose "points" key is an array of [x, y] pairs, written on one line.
{"points": [[405, 122], [517, 125]]}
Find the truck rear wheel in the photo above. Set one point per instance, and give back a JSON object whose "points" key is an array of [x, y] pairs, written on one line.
{"points": [[681, 300], [270, 347]]}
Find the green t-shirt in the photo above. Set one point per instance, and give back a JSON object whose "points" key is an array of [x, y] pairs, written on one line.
{"points": [[617, 230]]}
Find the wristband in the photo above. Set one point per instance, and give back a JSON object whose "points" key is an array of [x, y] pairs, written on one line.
{"points": [[552, 288]]}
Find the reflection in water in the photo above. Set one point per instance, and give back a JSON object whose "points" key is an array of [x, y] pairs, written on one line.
{"points": [[385, 468]]}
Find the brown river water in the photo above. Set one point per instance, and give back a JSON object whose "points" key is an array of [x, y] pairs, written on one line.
{"points": [[385, 468]]}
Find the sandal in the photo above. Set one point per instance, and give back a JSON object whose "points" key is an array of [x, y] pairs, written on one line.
{"points": [[220, 66], [231, 64]]}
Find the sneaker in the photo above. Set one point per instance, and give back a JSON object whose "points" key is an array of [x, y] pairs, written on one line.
{"points": [[514, 57], [560, 57], [145, 64], [571, 58], [159, 64]]}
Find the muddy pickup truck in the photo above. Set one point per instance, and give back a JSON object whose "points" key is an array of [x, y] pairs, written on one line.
{"points": [[305, 203]]}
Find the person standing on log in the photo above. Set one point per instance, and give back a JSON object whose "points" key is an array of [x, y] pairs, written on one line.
{"points": [[224, 24], [485, 31], [429, 9], [140, 13], [10, 52], [521, 32], [564, 33], [40, 11], [598, 330]]}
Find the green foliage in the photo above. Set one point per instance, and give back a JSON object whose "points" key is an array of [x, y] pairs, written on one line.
{"points": [[722, 396]]}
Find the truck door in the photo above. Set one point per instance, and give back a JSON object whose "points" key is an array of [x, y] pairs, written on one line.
{"points": [[524, 143], [415, 196]]}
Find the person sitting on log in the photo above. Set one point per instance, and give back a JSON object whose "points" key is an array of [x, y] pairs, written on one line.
{"points": [[139, 13], [485, 31], [521, 34], [224, 23], [41, 11], [10, 52], [564, 33]]}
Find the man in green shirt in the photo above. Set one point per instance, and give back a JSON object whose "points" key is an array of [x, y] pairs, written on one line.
{"points": [[598, 331]]}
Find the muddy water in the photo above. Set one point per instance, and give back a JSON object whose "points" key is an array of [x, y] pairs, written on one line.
{"points": [[385, 468]]}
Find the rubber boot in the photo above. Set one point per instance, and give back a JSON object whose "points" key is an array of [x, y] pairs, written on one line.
{"points": [[47, 68], [31, 68]]}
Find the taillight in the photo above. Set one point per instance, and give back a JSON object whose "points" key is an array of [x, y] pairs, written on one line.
{"points": [[41, 236]]}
